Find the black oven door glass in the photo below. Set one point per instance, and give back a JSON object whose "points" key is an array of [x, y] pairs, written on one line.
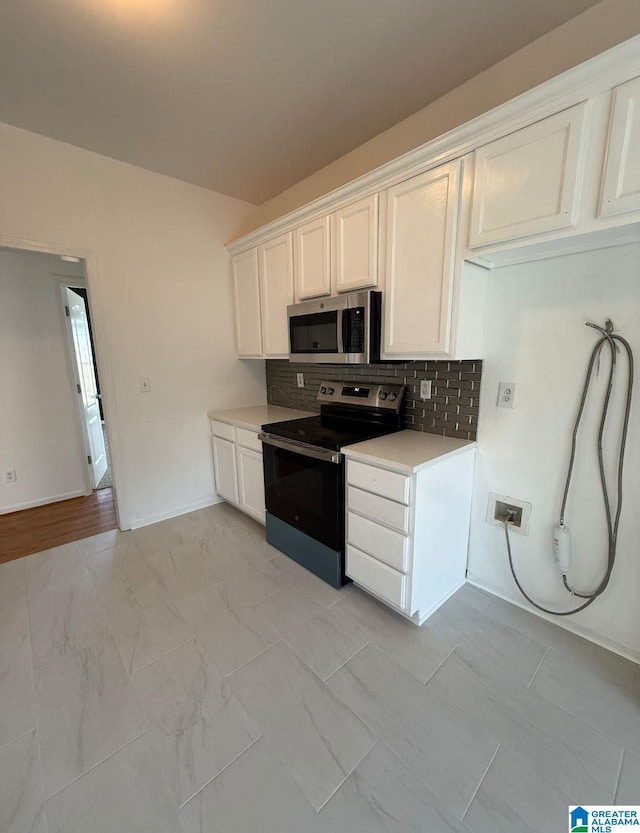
{"points": [[314, 333], [305, 493]]}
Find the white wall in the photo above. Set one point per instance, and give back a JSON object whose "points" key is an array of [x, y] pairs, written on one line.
{"points": [[536, 337], [38, 426], [165, 304]]}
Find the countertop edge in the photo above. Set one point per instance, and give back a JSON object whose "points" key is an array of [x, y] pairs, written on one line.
{"points": [[352, 453], [220, 416]]}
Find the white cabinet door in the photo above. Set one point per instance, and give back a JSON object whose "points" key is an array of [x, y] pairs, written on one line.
{"points": [[251, 482], [421, 219], [224, 466], [312, 259], [356, 245], [276, 291], [246, 302], [528, 182], [621, 183]]}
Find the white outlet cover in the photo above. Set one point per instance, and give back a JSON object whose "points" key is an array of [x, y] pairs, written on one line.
{"points": [[506, 394], [523, 504], [300, 378], [425, 388]]}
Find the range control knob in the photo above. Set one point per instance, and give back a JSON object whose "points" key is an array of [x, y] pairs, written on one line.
{"points": [[393, 397], [323, 389], [330, 391], [382, 395]]}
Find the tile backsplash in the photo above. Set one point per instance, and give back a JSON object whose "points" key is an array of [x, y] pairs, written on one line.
{"points": [[452, 409]]}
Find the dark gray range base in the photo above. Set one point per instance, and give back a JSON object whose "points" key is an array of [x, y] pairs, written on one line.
{"points": [[316, 557]]}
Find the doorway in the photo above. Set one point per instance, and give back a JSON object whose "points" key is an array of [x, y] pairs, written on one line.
{"points": [[52, 432]]}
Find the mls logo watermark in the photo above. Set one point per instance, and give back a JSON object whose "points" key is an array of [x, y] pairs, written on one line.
{"points": [[604, 818]]}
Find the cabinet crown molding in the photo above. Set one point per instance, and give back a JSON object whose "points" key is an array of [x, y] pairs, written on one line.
{"points": [[595, 76]]}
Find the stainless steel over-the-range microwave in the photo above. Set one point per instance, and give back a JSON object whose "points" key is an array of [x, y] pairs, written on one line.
{"points": [[342, 330]]}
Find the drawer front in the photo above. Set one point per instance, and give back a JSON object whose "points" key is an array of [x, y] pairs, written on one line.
{"points": [[248, 439], [379, 509], [383, 543], [375, 576], [223, 429], [379, 481]]}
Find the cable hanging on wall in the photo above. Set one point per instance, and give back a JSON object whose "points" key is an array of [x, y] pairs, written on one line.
{"points": [[562, 538]]}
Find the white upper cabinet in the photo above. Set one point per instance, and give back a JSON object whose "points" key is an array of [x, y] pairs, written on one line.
{"points": [[246, 302], [356, 245], [276, 292], [621, 183], [312, 259], [527, 183], [420, 228]]}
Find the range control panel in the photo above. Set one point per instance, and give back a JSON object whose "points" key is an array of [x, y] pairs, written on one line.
{"points": [[365, 394]]}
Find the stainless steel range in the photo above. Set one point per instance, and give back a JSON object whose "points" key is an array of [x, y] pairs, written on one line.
{"points": [[304, 471]]}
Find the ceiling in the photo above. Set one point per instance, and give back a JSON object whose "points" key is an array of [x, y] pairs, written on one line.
{"points": [[246, 97]]}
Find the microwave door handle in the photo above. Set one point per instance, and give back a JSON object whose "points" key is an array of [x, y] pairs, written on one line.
{"points": [[344, 332]]}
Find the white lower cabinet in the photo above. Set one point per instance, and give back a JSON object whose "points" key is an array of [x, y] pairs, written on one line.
{"points": [[408, 531], [250, 482], [224, 466], [237, 465]]}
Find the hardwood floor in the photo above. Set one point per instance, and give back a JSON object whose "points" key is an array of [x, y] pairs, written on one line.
{"points": [[43, 527]]}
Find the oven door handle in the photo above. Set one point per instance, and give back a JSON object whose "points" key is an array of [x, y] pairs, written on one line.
{"points": [[301, 448]]}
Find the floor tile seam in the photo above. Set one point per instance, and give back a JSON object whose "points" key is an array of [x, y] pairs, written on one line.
{"points": [[284, 639], [477, 789], [97, 764], [171, 651], [585, 722], [345, 595], [346, 663], [246, 662], [543, 730], [440, 664], [539, 666], [375, 741], [566, 634], [618, 776], [226, 766], [361, 648], [160, 656], [18, 737]]}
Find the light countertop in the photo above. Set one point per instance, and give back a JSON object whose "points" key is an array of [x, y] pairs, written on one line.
{"points": [[406, 451], [255, 416]]}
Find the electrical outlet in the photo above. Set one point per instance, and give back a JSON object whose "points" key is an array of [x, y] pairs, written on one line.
{"points": [[506, 394], [300, 378], [10, 476], [502, 508], [145, 384], [425, 389]]}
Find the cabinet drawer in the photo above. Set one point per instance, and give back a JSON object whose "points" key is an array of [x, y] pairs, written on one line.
{"points": [[375, 576], [379, 481], [379, 541], [223, 429], [248, 439], [379, 509]]}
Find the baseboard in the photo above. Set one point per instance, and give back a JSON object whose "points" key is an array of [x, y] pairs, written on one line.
{"points": [[619, 648], [175, 512], [423, 616], [29, 504]]}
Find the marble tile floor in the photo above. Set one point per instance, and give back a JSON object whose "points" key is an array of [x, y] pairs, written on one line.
{"points": [[187, 677]]}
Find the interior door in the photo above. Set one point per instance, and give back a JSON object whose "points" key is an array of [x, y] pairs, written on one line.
{"points": [[88, 388]]}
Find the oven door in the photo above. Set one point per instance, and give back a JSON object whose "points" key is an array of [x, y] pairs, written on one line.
{"points": [[304, 488]]}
